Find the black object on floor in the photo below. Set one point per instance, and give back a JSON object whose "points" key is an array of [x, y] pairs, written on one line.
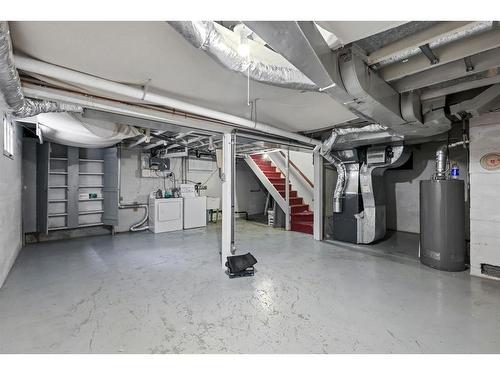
{"points": [[241, 265], [248, 272]]}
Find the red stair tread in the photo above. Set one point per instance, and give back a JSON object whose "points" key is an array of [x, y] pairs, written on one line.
{"points": [[265, 165], [274, 180], [270, 169], [301, 218], [299, 208], [307, 227], [304, 216], [272, 175], [306, 223], [293, 193], [296, 200]]}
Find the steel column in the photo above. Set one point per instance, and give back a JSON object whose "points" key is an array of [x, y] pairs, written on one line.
{"points": [[318, 197], [228, 146]]}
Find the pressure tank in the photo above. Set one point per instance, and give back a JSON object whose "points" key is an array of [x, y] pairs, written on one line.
{"points": [[442, 224]]}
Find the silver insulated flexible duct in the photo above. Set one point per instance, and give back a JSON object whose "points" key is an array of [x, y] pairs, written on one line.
{"points": [[346, 134], [261, 64], [351, 134], [338, 194], [140, 225], [12, 99]]}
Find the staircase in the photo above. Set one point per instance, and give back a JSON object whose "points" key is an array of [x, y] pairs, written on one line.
{"points": [[301, 218]]}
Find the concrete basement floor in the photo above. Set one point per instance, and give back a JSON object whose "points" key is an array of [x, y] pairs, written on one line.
{"points": [[166, 293]]}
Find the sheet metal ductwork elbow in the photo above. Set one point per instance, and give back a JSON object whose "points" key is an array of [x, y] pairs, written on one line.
{"points": [[12, 99], [262, 64], [442, 158], [441, 162], [349, 134], [341, 181]]}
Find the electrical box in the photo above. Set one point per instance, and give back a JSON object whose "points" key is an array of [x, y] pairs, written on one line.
{"points": [[152, 167], [159, 164], [376, 155]]}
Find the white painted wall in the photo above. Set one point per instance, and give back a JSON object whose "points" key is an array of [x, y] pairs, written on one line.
{"points": [[248, 195], [10, 204], [304, 161], [485, 194]]}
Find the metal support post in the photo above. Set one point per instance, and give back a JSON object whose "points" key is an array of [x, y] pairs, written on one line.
{"points": [[228, 146], [318, 197]]}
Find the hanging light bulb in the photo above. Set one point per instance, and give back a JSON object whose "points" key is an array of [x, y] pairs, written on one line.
{"points": [[244, 48], [244, 32]]}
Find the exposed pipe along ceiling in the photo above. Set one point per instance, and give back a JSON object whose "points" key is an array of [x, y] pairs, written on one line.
{"points": [[12, 97], [250, 186], [402, 116], [140, 95], [397, 83]]}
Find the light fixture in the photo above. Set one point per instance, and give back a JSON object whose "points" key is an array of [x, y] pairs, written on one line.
{"points": [[244, 49]]}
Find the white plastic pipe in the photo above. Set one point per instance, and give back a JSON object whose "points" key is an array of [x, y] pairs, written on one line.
{"points": [[71, 76]]}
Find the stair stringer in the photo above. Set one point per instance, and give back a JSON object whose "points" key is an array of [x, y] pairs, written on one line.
{"points": [[267, 184]]}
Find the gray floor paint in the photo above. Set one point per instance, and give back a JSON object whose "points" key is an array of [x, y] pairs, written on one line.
{"points": [[145, 293]]}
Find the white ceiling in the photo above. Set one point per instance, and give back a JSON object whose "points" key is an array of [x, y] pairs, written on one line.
{"points": [[133, 52], [350, 31]]}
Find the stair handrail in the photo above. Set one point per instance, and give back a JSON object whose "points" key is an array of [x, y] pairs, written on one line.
{"points": [[311, 184]]}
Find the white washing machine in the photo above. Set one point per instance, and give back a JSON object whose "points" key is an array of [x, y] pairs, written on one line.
{"points": [[195, 212], [165, 214]]}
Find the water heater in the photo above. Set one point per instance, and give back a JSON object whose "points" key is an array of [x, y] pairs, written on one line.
{"points": [[442, 224]]}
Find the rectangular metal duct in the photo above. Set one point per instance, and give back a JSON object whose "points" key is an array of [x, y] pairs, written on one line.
{"points": [[344, 76]]}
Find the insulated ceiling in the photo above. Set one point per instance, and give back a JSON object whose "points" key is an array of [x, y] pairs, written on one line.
{"points": [[351, 31], [137, 52]]}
